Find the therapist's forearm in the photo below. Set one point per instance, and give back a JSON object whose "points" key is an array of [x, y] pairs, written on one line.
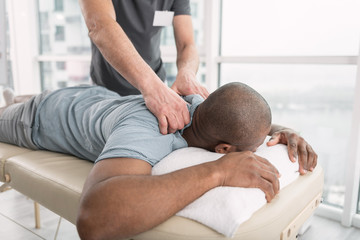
{"points": [[188, 59], [115, 46], [122, 55]]}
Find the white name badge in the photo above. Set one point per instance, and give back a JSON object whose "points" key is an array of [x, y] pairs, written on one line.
{"points": [[163, 18]]}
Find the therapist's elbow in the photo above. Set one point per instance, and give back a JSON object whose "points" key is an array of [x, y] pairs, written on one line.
{"points": [[94, 30], [99, 30]]}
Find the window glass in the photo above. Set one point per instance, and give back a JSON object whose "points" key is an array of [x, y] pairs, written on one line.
{"points": [[62, 28], [59, 5], [171, 72], [315, 100], [6, 62], [288, 27], [59, 33], [64, 74], [9, 62], [197, 16]]}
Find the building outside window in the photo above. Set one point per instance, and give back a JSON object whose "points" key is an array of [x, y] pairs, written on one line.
{"points": [[59, 33], [59, 5], [69, 44]]}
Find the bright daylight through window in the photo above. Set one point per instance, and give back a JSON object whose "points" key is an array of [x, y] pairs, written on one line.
{"points": [[315, 99]]}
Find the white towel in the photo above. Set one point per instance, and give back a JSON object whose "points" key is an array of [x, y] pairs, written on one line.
{"points": [[225, 208]]}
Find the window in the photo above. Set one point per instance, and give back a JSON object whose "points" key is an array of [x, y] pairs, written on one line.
{"points": [[59, 33], [290, 28], [197, 12], [65, 45], [309, 95], [59, 5], [171, 72], [67, 26], [5, 61]]}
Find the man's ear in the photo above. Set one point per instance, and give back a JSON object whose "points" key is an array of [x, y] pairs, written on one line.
{"points": [[224, 148]]}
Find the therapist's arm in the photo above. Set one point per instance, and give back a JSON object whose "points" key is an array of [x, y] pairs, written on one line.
{"points": [[121, 199], [115, 46], [298, 148], [187, 58]]}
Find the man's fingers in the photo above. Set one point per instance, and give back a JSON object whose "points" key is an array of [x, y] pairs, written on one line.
{"points": [[292, 149], [269, 186], [245, 169], [272, 178], [275, 139], [267, 178], [267, 165], [313, 156]]}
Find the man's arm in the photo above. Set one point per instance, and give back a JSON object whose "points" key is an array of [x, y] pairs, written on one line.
{"points": [[187, 58], [121, 199], [298, 148], [115, 46]]}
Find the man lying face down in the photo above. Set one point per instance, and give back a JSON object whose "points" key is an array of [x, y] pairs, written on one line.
{"points": [[120, 197]]}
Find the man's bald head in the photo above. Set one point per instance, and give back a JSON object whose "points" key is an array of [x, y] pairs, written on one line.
{"points": [[235, 114]]}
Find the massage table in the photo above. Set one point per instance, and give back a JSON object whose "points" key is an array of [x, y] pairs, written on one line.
{"points": [[55, 181]]}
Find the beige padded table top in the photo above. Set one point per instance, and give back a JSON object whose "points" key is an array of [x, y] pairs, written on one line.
{"points": [[55, 181]]}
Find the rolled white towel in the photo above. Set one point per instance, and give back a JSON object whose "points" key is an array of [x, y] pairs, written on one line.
{"points": [[224, 209]]}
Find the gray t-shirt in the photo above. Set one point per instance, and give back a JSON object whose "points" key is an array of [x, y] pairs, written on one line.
{"points": [[94, 123], [136, 19]]}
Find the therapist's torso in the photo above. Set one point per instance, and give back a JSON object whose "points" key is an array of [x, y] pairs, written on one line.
{"points": [[136, 19]]}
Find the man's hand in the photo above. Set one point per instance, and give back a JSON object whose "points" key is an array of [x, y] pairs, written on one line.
{"points": [[245, 169], [169, 108], [186, 84], [298, 148]]}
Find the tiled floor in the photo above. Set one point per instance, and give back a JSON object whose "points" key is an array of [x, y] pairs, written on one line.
{"points": [[17, 223], [17, 220]]}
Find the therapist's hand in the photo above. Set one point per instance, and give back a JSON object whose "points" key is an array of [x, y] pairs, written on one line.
{"points": [[298, 148], [169, 108], [186, 84]]}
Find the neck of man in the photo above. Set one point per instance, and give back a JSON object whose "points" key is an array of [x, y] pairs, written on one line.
{"points": [[196, 136]]}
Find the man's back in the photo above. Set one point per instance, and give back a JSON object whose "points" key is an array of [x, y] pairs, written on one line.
{"points": [[92, 121]]}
